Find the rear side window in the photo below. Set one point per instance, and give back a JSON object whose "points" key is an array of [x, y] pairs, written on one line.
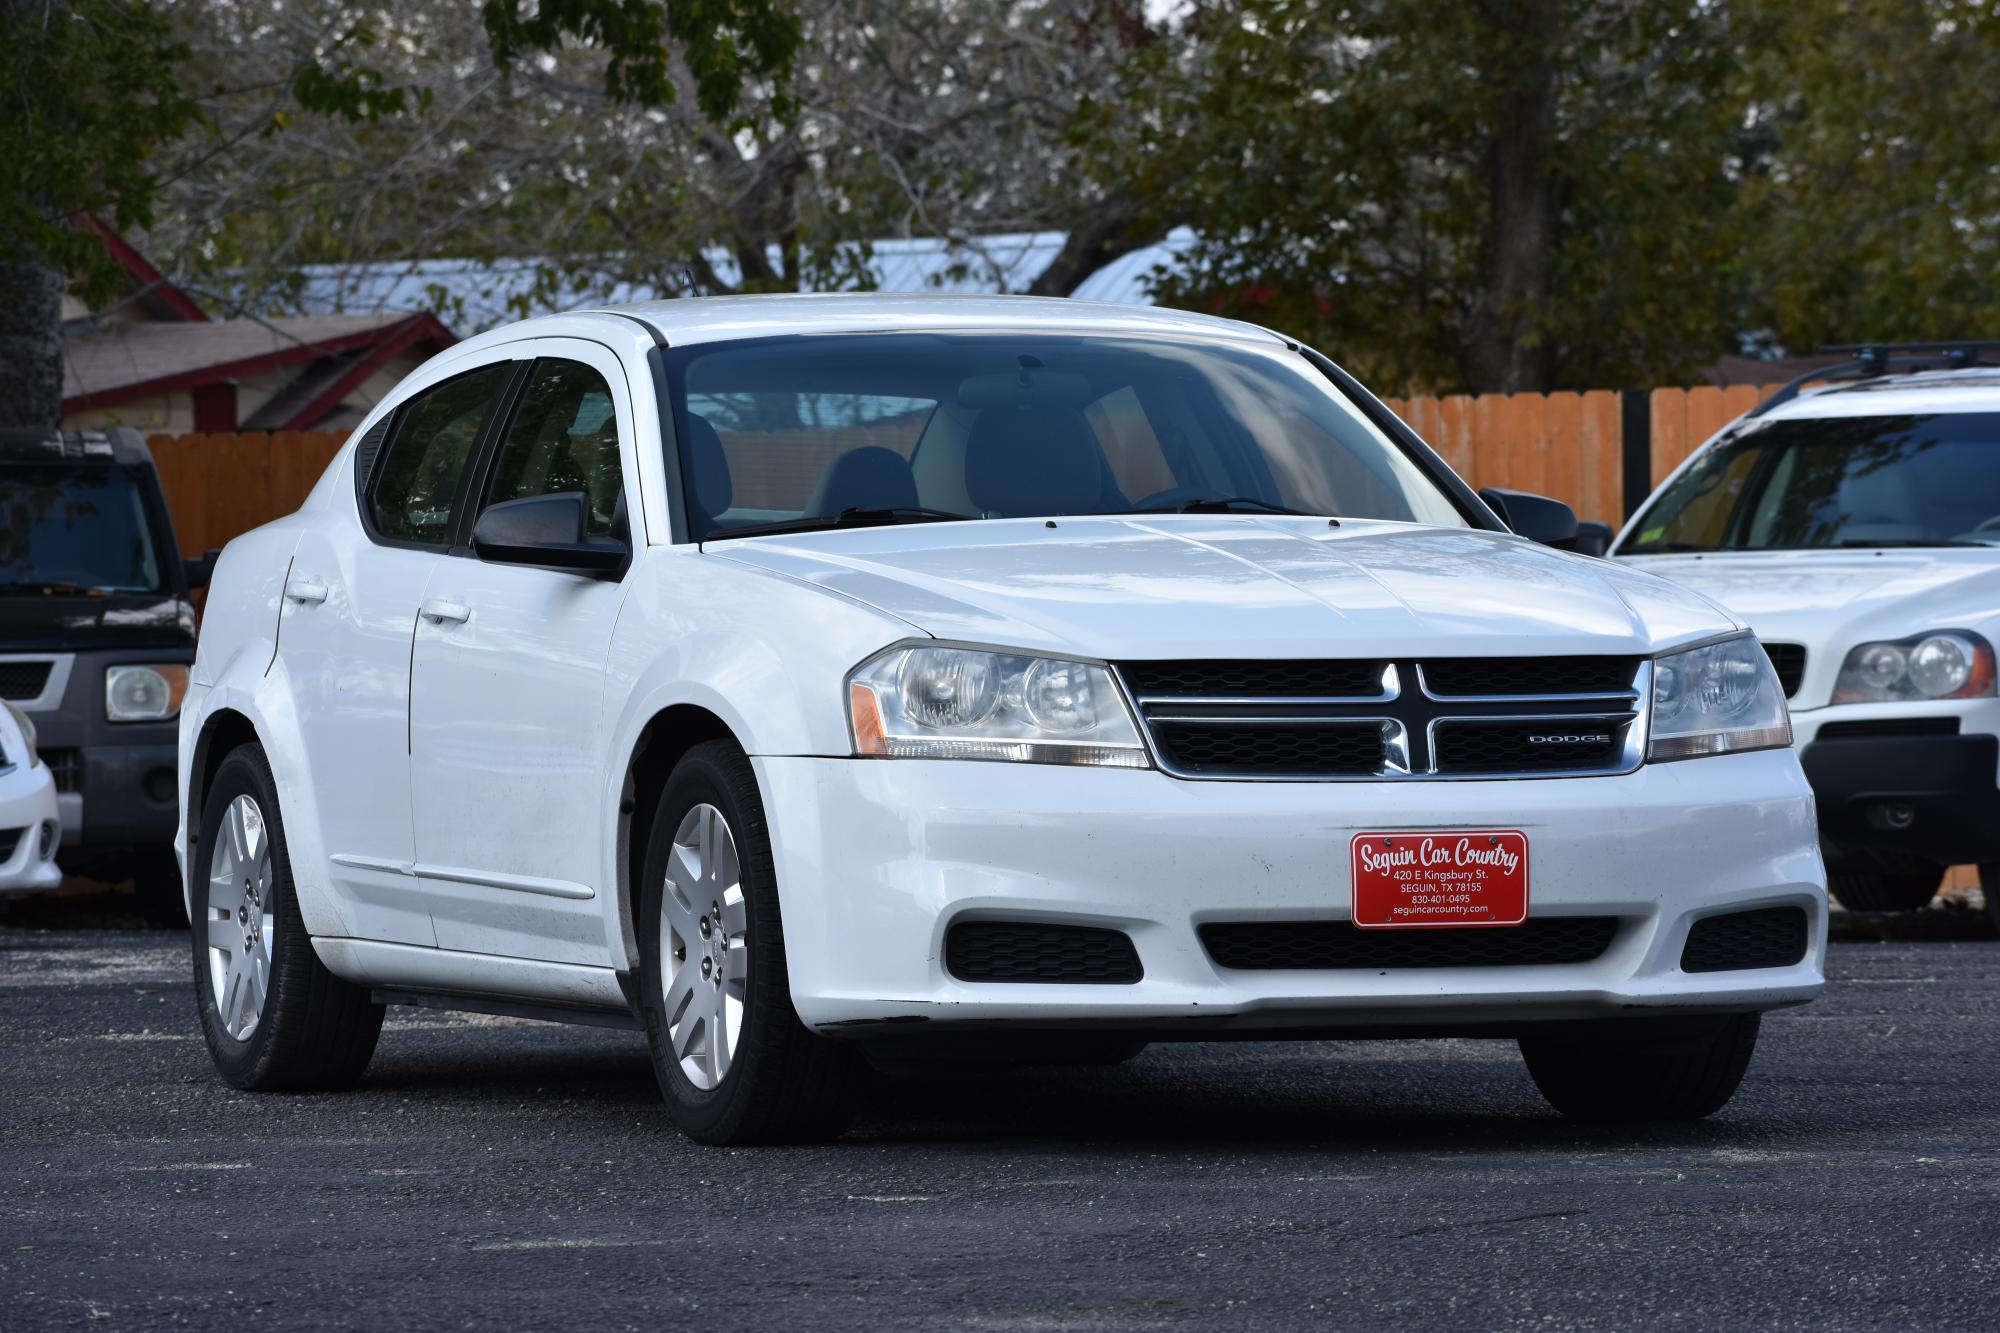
{"points": [[564, 437], [416, 480]]}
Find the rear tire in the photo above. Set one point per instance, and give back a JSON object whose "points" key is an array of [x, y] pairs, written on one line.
{"points": [[1663, 1070], [272, 1015], [1868, 891], [734, 1063]]}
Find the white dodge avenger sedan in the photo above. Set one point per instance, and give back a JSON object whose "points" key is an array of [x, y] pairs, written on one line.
{"points": [[818, 682]]}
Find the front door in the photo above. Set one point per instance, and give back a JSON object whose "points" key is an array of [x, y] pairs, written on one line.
{"points": [[507, 689], [350, 611]]}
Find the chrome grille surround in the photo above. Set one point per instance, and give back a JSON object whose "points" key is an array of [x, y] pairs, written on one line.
{"points": [[1409, 719]]}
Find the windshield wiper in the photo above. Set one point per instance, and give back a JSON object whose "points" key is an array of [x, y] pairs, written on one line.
{"points": [[1224, 504], [855, 516], [1885, 543], [43, 589]]}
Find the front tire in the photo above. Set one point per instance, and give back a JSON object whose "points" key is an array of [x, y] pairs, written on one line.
{"points": [[734, 1063], [272, 1015], [1666, 1070], [1873, 891], [1989, 885]]}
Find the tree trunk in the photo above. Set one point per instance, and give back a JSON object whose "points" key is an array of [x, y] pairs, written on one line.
{"points": [[31, 345], [1501, 353], [1111, 234]]}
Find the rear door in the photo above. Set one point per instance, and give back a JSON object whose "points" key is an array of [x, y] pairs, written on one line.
{"points": [[507, 688], [350, 611]]}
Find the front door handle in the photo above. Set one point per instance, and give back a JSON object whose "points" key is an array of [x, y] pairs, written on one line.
{"points": [[441, 612], [306, 590]]}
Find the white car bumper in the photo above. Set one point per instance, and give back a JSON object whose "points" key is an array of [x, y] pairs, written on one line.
{"points": [[27, 802], [877, 859]]}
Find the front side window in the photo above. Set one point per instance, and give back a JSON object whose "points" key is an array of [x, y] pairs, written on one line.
{"points": [[563, 438], [863, 428], [416, 482], [70, 528], [1871, 482]]}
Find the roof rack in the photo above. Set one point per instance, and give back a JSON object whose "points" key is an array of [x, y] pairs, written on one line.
{"points": [[1873, 360]]}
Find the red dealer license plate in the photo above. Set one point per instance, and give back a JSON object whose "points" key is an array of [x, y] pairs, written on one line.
{"points": [[1477, 878]]}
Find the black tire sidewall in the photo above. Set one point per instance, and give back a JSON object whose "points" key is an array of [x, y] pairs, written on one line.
{"points": [[244, 773], [713, 774]]}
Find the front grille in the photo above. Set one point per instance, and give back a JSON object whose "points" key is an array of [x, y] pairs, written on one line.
{"points": [[1256, 680], [1203, 747], [1789, 660], [1027, 951], [1264, 946], [1878, 727], [1767, 937], [24, 680], [1505, 746], [1356, 719], [1527, 676], [66, 766], [10, 838]]}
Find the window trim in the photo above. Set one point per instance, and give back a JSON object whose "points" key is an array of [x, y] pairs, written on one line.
{"points": [[364, 491]]}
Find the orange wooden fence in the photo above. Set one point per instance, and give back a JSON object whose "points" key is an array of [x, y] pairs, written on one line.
{"points": [[1568, 445]]}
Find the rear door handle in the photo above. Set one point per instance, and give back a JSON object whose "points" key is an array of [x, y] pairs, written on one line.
{"points": [[441, 612], [302, 589]]}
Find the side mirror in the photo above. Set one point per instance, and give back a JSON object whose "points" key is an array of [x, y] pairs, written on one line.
{"points": [[1592, 538], [201, 568], [1536, 517], [548, 531]]}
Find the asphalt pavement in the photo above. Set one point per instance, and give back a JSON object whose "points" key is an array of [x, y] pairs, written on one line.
{"points": [[499, 1173]]}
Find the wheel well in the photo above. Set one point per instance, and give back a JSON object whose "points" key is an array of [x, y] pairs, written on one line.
{"points": [[671, 734], [227, 730]]}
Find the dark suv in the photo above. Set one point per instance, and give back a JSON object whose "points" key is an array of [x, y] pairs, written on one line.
{"points": [[97, 631]]}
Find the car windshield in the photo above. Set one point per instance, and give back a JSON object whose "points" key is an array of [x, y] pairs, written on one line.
{"points": [[74, 528], [794, 433], [1816, 483]]}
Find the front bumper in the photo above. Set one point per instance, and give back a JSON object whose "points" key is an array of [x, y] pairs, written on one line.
{"points": [[1935, 796], [876, 860], [27, 804]]}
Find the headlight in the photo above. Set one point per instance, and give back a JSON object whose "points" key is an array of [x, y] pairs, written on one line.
{"points": [[1950, 664], [27, 731], [1721, 698], [963, 703], [143, 693]]}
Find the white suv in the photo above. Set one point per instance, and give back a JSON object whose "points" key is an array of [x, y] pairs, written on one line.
{"points": [[1857, 528], [822, 680]]}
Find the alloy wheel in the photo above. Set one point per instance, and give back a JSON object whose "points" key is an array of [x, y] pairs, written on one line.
{"points": [[703, 950], [240, 922]]}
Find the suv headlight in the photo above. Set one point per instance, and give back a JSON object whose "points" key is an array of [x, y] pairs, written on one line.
{"points": [[27, 727], [143, 693], [1720, 698], [928, 702], [1948, 664]]}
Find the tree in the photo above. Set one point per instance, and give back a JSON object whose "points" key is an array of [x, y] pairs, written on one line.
{"points": [[930, 118], [95, 89], [1873, 211], [1494, 195]]}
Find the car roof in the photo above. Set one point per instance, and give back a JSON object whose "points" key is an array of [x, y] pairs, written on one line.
{"points": [[1974, 389], [704, 319], [115, 446]]}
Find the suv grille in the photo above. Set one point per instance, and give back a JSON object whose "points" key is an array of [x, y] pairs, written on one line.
{"points": [[1767, 937], [24, 680], [1355, 719], [1032, 951], [1789, 660], [1341, 945], [66, 767]]}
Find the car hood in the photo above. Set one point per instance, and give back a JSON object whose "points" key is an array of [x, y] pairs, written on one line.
{"points": [[1832, 600], [1239, 586], [35, 622]]}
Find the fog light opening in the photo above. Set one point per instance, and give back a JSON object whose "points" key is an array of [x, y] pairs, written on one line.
{"points": [[1896, 815], [48, 839]]}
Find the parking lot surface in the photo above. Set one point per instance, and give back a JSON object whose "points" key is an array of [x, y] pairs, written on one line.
{"points": [[502, 1173]]}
